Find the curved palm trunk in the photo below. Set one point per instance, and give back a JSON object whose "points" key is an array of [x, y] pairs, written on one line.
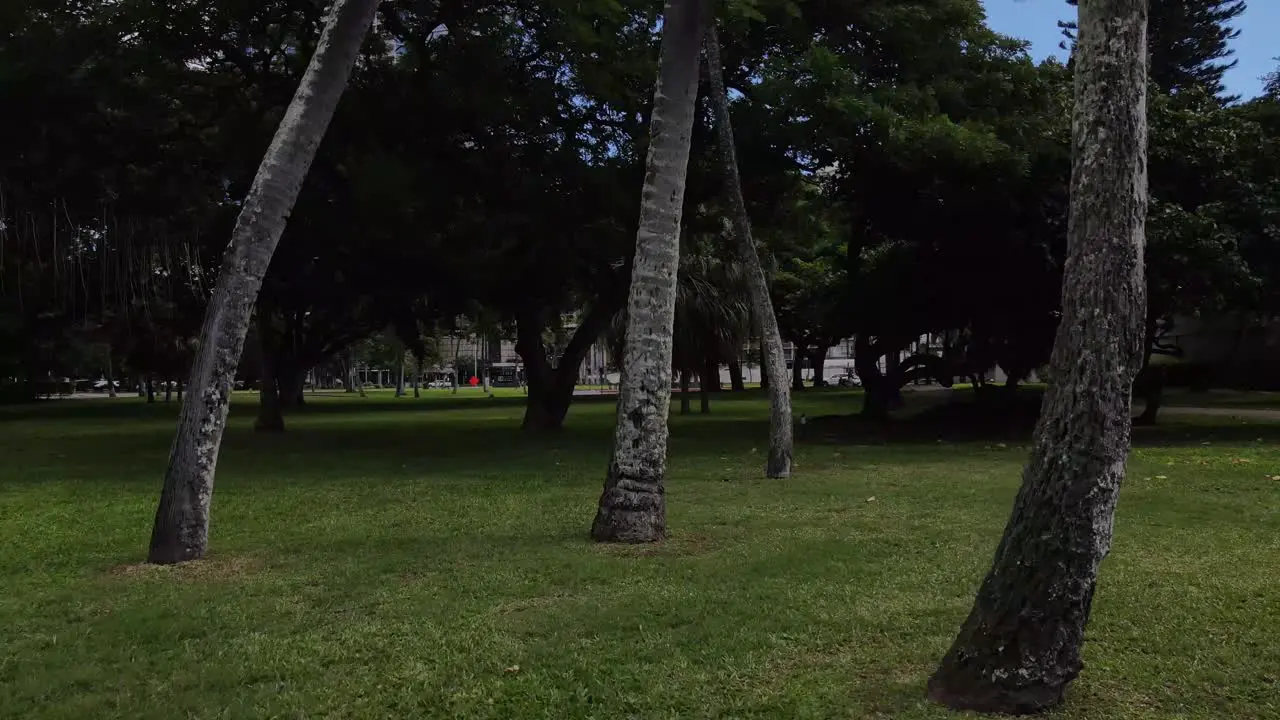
{"points": [[1020, 647], [781, 438], [181, 529], [633, 505]]}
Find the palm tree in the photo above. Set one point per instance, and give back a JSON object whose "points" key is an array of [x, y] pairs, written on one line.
{"points": [[633, 504], [713, 320], [781, 437], [181, 530], [1019, 649]]}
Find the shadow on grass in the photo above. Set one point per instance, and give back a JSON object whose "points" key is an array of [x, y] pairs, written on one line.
{"points": [[961, 418], [246, 405]]}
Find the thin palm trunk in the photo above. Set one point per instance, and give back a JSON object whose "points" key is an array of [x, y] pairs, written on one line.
{"points": [[708, 381], [685, 396], [781, 438], [400, 371], [181, 529], [111, 376], [1020, 647], [457, 348], [633, 505]]}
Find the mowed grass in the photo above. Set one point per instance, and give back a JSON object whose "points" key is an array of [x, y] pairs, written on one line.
{"points": [[407, 559]]}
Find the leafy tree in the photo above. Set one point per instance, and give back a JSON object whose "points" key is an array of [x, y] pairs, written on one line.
{"points": [[946, 167]]}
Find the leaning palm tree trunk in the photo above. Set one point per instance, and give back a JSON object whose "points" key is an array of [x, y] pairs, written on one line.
{"points": [[181, 529], [781, 442], [1020, 647], [633, 505]]}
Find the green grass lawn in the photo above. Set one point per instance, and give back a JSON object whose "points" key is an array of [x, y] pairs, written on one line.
{"points": [[406, 559]]}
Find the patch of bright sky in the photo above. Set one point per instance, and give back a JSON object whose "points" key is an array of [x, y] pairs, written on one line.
{"points": [[1037, 22]]}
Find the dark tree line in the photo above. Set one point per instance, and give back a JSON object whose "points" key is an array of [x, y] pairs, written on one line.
{"points": [[904, 168]]}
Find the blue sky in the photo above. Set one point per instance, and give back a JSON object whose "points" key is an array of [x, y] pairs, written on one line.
{"points": [[1037, 21]]}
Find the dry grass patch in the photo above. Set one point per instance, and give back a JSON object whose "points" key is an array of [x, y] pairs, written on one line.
{"points": [[216, 569]]}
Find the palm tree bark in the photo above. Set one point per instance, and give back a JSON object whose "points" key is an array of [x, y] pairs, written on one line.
{"points": [[781, 438], [633, 505], [1020, 647], [181, 529]]}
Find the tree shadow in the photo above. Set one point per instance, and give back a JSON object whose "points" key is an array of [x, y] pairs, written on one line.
{"points": [[1012, 418]]}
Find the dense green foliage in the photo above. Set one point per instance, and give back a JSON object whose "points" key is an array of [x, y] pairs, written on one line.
{"points": [[905, 168]]}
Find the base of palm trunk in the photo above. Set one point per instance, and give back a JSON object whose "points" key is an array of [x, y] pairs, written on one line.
{"points": [[992, 697], [632, 510], [1021, 668], [779, 464], [168, 547]]}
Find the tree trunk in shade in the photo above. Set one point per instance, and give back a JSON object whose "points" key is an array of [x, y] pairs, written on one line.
{"points": [[111, 375], [708, 380], [181, 529], [764, 369], [685, 397], [270, 408], [633, 505], [781, 439], [818, 358], [1020, 647], [736, 382], [1149, 384]]}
